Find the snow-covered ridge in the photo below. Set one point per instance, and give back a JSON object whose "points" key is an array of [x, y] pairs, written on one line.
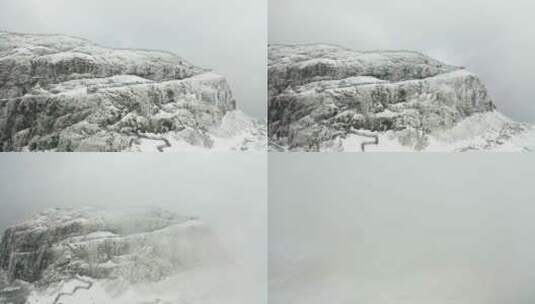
{"points": [[58, 58], [291, 65], [321, 95], [62, 93]]}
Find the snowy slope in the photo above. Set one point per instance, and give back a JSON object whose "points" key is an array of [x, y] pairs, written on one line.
{"points": [[237, 132], [480, 132], [62, 93], [203, 285]]}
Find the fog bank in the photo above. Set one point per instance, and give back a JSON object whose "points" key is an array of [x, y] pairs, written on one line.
{"points": [[207, 185], [401, 228]]}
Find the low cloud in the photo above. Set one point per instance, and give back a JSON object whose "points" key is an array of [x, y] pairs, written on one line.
{"points": [[405, 228]]}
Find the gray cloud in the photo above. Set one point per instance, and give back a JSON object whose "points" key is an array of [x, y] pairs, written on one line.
{"points": [[227, 36], [405, 228], [490, 38]]}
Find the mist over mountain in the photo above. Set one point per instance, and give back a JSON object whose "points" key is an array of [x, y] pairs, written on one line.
{"points": [[187, 232], [90, 255]]}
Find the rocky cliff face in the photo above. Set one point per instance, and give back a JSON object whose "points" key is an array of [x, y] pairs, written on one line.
{"points": [[321, 95], [62, 93], [135, 245]]}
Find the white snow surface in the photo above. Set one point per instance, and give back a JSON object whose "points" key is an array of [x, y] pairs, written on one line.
{"points": [[237, 132], [219, 284], [482, 131]]}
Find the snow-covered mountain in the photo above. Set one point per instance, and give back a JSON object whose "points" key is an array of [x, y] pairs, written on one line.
{"points": [[135, 255], [63, 93], [329, 98]]}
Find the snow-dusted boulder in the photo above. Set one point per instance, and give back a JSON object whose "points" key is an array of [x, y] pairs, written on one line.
{"points": [[322, 97], [62, 93]]}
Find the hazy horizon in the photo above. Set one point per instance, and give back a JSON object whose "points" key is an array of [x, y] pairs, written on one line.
{"points": [[401, 228]]}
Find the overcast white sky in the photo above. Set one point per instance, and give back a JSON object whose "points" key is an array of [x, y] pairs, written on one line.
{"points": [[208, 185], [401, 228], [228, 36], [491, 38]]}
